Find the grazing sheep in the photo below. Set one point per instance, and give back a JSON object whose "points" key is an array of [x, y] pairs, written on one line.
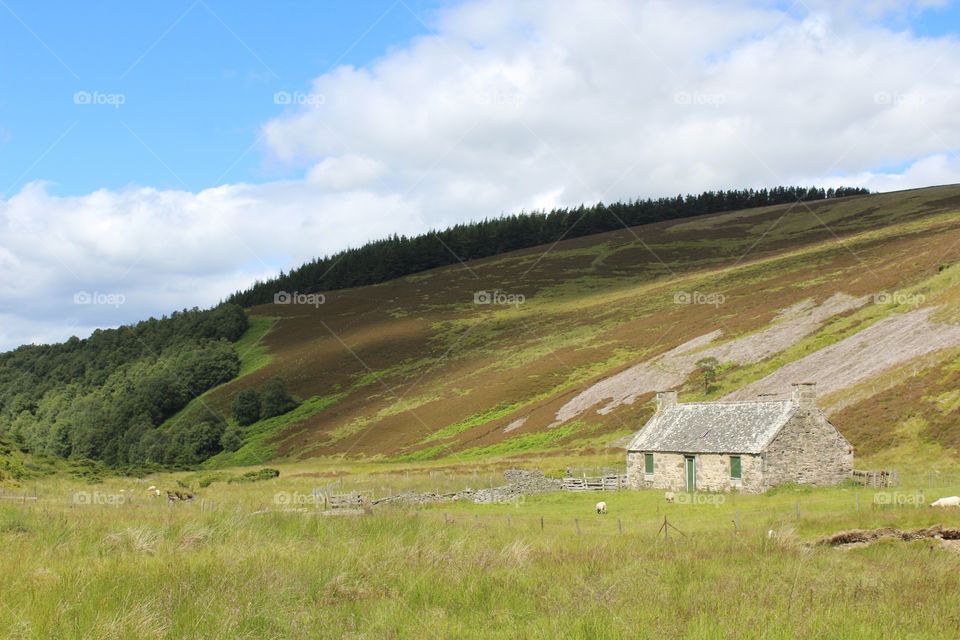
{"points": [[601, 507], [153, 491], [669, 496], [952, 501]]}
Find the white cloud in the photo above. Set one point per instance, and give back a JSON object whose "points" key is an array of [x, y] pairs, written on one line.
{"points": [[508, 106]]}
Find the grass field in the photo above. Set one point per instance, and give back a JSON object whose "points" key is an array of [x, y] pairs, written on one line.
{"points": [[77, 563]]}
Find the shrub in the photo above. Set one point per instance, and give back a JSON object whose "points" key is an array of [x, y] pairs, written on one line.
{"points": [[256, 476]]}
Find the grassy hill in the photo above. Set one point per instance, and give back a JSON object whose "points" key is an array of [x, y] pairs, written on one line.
{"points": [[578, 335]]}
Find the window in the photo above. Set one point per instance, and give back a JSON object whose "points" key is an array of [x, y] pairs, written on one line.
{"points": [[648, 464], [735, 473]]}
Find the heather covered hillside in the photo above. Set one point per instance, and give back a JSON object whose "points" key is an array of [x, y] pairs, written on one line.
{"points": [[559, 348]]}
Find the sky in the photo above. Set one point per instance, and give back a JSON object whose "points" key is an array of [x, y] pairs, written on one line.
{"points": [[159, 156]]}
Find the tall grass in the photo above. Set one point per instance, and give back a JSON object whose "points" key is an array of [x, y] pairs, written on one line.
{"points": [[146, 569]]}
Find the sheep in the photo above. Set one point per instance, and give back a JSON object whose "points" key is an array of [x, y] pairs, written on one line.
{"points": [[601, 507], [153, 491], [952, 501], [669, 496]]}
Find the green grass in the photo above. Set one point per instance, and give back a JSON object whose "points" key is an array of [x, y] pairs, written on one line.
{"points": [[253, 353], [259, 439], [540, 441], [543, 567]]}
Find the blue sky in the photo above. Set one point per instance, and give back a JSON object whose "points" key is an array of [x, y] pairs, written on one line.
{"points": [[179, 179], [197, 79]]}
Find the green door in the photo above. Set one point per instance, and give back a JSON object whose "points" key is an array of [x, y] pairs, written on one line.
{"points": [[691, 467]]}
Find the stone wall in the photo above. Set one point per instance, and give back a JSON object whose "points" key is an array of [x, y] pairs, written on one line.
{"points": [[808, 450], [713, 472]]}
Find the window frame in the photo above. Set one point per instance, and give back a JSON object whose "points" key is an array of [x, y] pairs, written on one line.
{"points": [[739, 476]]}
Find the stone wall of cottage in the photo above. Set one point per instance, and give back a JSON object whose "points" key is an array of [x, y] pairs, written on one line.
{"points": [[808, 450], [713, 472]]}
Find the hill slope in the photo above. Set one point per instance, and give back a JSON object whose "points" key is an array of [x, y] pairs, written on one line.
{"points": [[860, 293]]}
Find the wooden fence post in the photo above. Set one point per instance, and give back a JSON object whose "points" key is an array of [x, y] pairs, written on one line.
{"points": [[541, 523], [798, 509], [577, 521], [858, 502], [736, 520], [620, 526]]}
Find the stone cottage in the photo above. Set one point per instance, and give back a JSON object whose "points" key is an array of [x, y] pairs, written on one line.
{"points": [[747, 446]]}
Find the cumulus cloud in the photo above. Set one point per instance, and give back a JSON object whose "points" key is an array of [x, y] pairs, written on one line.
{"points": [[508, 106]]}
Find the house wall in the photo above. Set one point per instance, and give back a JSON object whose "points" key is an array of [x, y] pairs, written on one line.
{"points": [[808, 450], [713, 472]]}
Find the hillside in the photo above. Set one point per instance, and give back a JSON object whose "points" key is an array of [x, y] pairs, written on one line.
{"points": [[858, 293]]}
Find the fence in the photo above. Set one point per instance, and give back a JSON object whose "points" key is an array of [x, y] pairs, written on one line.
{"points": [[602, 483], [876, 479]]}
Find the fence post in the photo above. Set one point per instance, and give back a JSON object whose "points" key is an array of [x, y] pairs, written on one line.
{"points": [[858, 502], [577, 521], [736, 520], [619, 526], [541, 523], [798, 509]]}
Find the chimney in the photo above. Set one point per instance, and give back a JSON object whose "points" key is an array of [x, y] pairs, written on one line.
{"points": [[665, 400], [805, 395]]}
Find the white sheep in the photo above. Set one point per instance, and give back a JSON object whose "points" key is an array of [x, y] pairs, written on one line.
{"points": [[952, 501], [153, 491], [601, 507], [669, 496]]}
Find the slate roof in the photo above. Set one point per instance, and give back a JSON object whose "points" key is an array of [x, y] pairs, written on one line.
{"points": [[714, 427]]}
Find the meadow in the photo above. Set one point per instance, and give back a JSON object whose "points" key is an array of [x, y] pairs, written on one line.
{"points": [[259, 560]]}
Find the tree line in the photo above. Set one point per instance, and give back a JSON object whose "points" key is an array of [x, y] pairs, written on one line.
{"points": [[105, 397], [399, 256]]}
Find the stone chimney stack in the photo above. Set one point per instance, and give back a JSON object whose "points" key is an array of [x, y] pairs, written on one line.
{"points": [[805, 395], [665, 400]]}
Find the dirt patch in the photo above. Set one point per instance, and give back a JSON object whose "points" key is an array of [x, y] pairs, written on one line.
{"points": [[866, 536], [673, 367], [884, 345]]}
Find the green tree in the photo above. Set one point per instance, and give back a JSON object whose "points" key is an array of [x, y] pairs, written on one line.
{"points": [[275, 400], [232, 438], [708, 368], [246, 407]]}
